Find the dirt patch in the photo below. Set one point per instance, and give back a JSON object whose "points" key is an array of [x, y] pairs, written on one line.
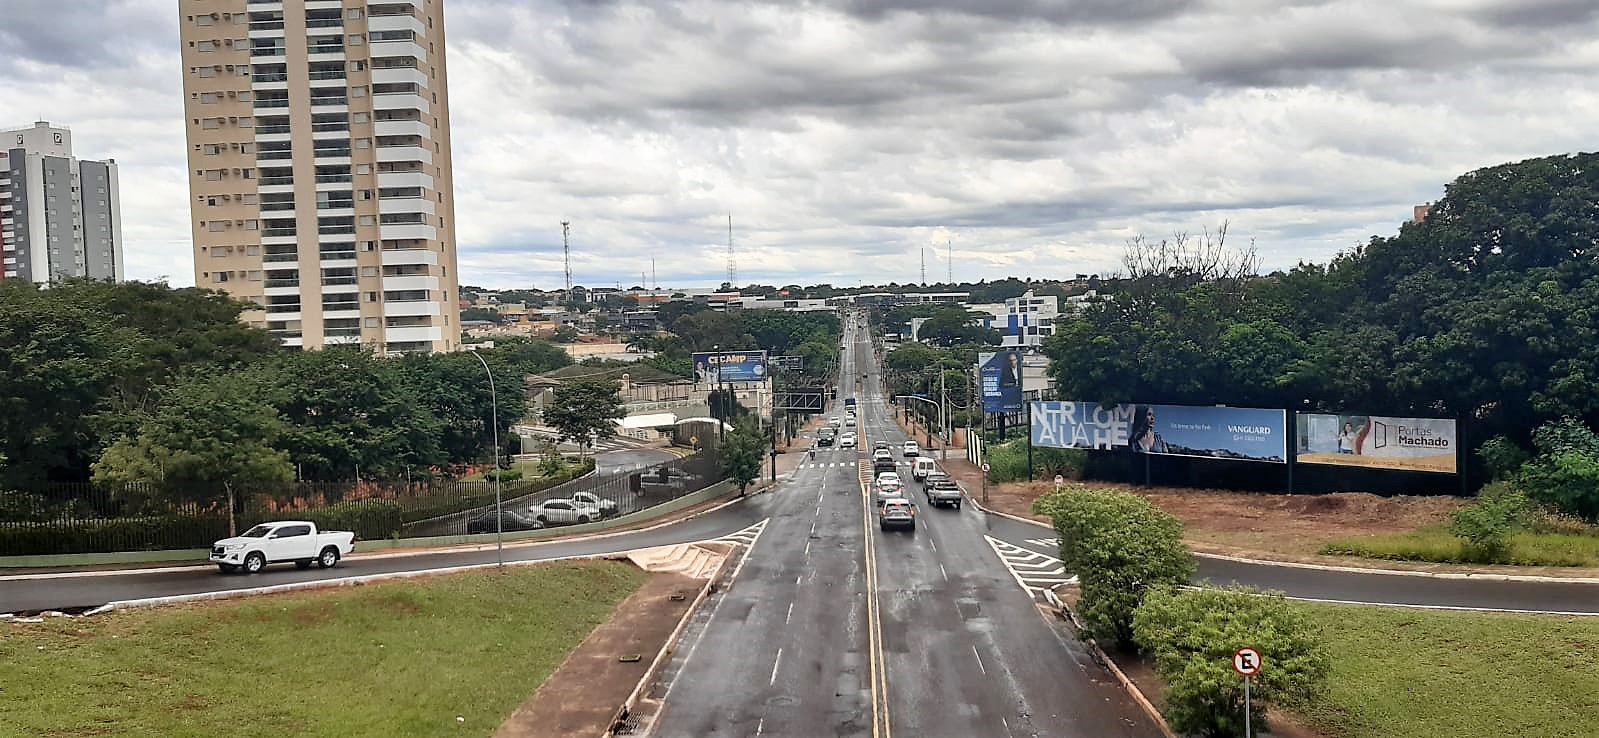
{"points": [[582, 696]]}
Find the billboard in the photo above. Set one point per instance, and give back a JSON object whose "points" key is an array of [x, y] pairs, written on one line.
{"points": [[730, 366], [1377, 442], [1000, 376], [1239, 433]]}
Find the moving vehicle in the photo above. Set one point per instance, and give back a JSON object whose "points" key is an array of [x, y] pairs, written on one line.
{"points": [[910, 448], [834, 422], [849, 402], [882, 454], [847, 440], [896, 512], [509, 520], [561, 511], [289, 540], [826, 436], [942, 491], [890, 477], [606, 507], [849, 422], [923, 466]]}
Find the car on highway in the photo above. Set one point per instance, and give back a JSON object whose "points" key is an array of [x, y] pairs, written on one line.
{"points": [[880, 446], [942, 490], [923, 466], [910, 448], [826, 436], [847, 440], [882, 454], [850, 421], [298, 541], [606, 507], [510, 520], [896, 512], [562, 511], [834, 422], [889, 477]]}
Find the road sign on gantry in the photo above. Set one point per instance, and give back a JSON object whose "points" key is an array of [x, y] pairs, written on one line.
{"points": [[1246, 661]]}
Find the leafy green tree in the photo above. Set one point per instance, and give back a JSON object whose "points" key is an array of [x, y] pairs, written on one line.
{"points": [[1119, 545], [1485, 527], [521, 357], [454, 390], [584, 411], [477, 313], [208, 441], [669, 313], [709, 330], [566, 334], [1565, 473], [743, 452], [1191, 637]]}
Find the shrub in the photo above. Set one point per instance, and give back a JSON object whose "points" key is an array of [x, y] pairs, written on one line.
{"points": [[1565, 474], [1486, 526], [105, 535], [503, 475], [368, 519], [1008, 462], [1501, 457], [1119, 545], [1191, 637]]}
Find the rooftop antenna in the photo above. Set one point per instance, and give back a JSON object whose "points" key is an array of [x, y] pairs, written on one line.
{"points": [[924, 266], [732, 264], [566, 247], [655, 284], [949, 259]]}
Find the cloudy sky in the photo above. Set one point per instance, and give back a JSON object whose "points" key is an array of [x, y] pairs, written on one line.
{"points": [[845, 136]]}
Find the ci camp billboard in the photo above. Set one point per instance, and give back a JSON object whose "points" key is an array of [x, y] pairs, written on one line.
{"points": [[730, 366], [1001, 376], [1240, 433], [1377, 442]]}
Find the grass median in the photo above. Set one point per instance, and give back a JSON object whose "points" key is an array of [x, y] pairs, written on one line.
{"points": [[446, 655], [1403, 672], [1435, 543]]}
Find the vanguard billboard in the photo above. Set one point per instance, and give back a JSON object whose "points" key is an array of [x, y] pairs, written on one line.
{"points": [[1240, 433], [1373, 441], [1001, 376], [730, 366]]}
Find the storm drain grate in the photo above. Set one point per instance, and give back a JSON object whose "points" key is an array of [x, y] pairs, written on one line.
{"points": [[631, 658]]}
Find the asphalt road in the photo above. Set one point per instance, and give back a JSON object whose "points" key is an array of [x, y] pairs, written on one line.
{"points": [[837, 628]]}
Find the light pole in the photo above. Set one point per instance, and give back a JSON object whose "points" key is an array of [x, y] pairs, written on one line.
{"points": [[494, 427]]}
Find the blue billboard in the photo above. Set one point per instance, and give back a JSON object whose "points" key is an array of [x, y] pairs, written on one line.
{"points": [[1000, 375], [1240, 433], [730, 366]]}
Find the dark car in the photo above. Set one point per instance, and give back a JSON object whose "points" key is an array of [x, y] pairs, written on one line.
{"points": [[484, 522]]}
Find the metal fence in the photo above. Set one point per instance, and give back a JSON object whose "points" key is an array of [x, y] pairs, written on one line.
{"points": [[98, 518]]}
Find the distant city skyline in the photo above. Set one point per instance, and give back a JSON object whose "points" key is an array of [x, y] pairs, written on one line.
{"points": [[844, 137]]}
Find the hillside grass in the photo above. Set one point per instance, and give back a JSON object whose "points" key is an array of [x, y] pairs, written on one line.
{"points": [[404, 658], [1405, 672], [1434, 543]]}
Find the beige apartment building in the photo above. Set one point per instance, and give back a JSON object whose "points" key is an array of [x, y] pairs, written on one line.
{"points": [[319, 166]]}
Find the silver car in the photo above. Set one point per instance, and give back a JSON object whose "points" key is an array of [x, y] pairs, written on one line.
{"points": [[896, 512]]}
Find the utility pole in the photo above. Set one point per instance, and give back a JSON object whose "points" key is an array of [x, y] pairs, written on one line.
{"points": [[943, 414], [566, 250]]}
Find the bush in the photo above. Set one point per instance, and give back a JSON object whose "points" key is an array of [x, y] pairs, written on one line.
{"points": [[1486, 526], [1501, 457], [1191, 637], [1008, 462], [1119, 545], [1565, 474], [368, 519], [503, 475], [106, 535]]}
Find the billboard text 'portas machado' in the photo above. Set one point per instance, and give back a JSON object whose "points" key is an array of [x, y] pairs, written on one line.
{"points": [[1240, 433], [1377, 442], [730, 366]]}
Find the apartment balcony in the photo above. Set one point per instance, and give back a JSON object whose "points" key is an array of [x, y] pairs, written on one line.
{"points": [[401, 128], [400, 101], [381, 49], [281, 239], [266, 53], [416, 5], [333, 182], [267, 83], [408, 257], [400, 232], [331, 157], [272, 133], [411, 309], [396, 23], [341, 310], [414, 333], [323, 4], [283, 316], [330, 130], [414, 282], [266, 29], [341, 337], [335, 22], [280, 258], [283, 288], [405, 153], [339, 285], [289, 338], [337, 258], [340, 104], [405, 179], [266, 103], [398, 75], [325, 53], [405, 205]]}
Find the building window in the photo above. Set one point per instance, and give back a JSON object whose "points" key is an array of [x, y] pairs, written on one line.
{"points": [[205, 46], [205, 72], [371, 322], [356, 39]]}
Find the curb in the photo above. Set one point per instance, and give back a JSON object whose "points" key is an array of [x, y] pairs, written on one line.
{"points": [[1100, 656], [1463, 576]]}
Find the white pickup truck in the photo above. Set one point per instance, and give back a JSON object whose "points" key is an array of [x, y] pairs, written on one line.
{"points": [[288, 540]]}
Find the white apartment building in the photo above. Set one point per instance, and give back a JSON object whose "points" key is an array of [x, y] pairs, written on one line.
{"points": [[59, 217], [1023, 322], [319, 167]]}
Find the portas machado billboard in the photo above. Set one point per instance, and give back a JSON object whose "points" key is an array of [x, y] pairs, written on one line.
{"points": [[1379, 442]]}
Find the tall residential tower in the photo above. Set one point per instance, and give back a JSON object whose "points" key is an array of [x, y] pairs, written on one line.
{"points": [[59, 217], [319, 165]]}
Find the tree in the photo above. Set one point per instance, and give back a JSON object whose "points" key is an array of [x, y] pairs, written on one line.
{"points": [[477, 313], [709, 330], [453, 389], [208, 441], [1565, 473], [1120, 545], [584, 411], [1191, 636], [566, 334], [743, 452]]}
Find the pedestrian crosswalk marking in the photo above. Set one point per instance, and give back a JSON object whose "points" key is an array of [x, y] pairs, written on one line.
{"points": [[746, 536], [1033, 571], [1050, 542]]}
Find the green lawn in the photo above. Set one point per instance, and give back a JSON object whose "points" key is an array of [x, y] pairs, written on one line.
{"points": [[1433, 543], [1400, 672], [395, 659]]}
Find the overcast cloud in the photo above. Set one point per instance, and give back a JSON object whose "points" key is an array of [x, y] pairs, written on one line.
{"points": [[846, 135]]}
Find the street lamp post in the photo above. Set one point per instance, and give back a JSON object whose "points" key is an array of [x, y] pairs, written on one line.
{"points": [[494, 427]]}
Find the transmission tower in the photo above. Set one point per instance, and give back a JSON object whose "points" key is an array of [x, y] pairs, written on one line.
{"points": [[566, 248], [949, 260], [732, 264], [924, 266]]}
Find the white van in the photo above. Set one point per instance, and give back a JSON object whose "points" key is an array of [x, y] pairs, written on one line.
{"points": [[921, 466]]}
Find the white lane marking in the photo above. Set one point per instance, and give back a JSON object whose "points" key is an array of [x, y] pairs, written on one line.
{"points": [[807, 548], [760, 726], [930, 542], [797, 579], [1033, 571], [813, 527], [1053, 542], [790, 614], [1007, 724], [945, 573], [974, 653], [775, 663]]}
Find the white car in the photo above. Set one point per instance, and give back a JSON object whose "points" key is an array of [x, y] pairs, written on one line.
{"points": [[882, 454], [850, 421], [560, 511], [911, 449], [606, 507], [846, 441], [289, 540], [889, 477]]}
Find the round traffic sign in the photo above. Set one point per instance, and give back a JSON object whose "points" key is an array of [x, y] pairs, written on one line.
{"points": [[1246, 661], [985, 466]]}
